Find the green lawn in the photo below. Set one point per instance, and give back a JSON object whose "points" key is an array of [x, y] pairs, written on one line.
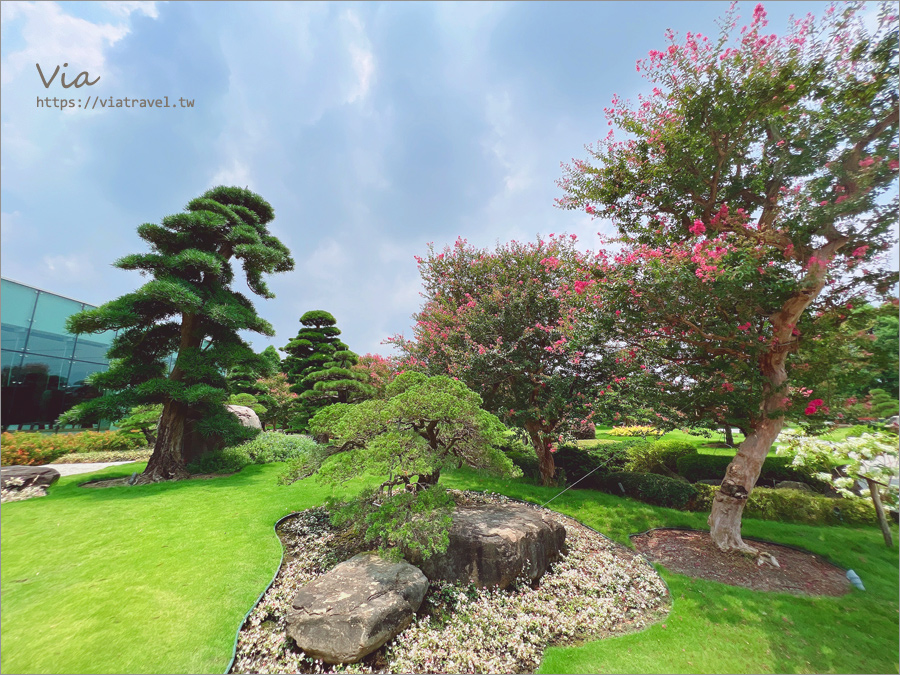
{"points": [[158, 578]]}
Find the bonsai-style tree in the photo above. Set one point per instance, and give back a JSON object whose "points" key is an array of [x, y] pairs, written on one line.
{"points": [[422, 426], [318, 367], [188, 308], [242, 377], [495, 320], [753, 200], [142, 419], [337, 382]]}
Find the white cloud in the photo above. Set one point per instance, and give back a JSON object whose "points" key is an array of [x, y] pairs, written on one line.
{"points": [[361, 56], [127, 7], [236, 174], [53, 38], [65, 268]]}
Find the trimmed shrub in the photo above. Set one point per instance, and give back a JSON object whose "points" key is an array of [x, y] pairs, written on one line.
{"points": [[32, 448], [142, 455], [658, 457], [229, 460], [584, 431], [794, 506], [774, 470], [600, 459], [274, 446], [650, 488]]}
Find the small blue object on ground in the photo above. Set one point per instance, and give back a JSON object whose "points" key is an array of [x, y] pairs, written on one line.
{"points": [[855, 580]]}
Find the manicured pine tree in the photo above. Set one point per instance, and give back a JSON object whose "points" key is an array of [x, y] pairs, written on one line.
{"points": [[243, 378], [312, 349], [337, 382], [188, 308]]}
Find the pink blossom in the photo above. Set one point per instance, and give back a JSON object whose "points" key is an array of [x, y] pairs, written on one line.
{"points": [[810, 410], [868, 161], [860, 252], [697, 228], [893, 164]]}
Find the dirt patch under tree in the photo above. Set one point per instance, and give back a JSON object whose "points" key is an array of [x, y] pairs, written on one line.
{"points": [[693, 553]]}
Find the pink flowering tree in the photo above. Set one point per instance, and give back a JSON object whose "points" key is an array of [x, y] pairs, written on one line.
{"points": [[755, 197], [379, 369], [495, 320]]}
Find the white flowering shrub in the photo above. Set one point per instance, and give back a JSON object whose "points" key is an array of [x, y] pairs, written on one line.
{"points": [[14, 492], [843, 463], [598, 589]]}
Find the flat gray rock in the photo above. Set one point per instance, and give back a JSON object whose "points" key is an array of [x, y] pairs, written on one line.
{"points": [[355, 608], [492, 545], [31, 476]]}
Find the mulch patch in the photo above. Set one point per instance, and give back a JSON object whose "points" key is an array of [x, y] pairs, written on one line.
{"points": [[693, 553]]}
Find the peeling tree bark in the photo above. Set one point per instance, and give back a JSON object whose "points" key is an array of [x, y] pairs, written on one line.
{"points": [[743, 472]]}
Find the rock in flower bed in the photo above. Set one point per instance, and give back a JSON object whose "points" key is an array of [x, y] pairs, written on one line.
{"points": [[599, 588]]}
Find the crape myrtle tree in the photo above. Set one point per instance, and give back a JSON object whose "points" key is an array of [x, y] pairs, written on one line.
{"points": [[188, 308], [494, 320], [754, 196], [380, 370]]}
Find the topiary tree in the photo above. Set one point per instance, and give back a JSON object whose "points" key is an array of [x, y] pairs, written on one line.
{"points": [[188, 308], [754, 197], [422, 426], [317, 366]]}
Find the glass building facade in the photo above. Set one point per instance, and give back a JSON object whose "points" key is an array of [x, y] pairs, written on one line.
{"points": [[43, 366]]}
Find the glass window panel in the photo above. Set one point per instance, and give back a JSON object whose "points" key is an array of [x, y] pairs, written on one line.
{"points": [[17, 303], [48, 331], [9, 361], [16, 309], [80, 370], [38, 390], [90, 347]]}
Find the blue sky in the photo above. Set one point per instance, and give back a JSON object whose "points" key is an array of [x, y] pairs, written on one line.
{"points": [[371, 128]]}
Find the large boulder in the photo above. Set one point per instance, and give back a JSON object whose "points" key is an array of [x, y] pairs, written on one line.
{"points": [[355, 608], [30, 476], [247, 416], [492, 545]]}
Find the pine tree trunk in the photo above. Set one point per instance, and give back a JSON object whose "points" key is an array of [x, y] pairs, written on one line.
{"points": [[541, 443], [167, 460]]}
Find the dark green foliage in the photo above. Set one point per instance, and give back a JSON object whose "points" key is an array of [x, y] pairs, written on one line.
{"points": [[672, 451], [650, 488], [318, 367], [594, 462], [248, 401], [187, 308], [229, 460], [794, 506], [775, 469], [415, 523], [143, 420], [522, 455], [243, 377]]}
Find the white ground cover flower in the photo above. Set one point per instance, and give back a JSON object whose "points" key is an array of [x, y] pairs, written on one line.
{"points": [[599, 588], [14, 492]]}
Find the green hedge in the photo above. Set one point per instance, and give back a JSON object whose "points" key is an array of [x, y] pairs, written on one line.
{"points": [[794, 506], [601, 459], [658, 456], [650, 488], [774, 469]]}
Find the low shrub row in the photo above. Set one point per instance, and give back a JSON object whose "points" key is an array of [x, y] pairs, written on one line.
{"points": [[650, 488], [32, 448], [589, 465], [696, 467], [268, 446], [794, 506]]}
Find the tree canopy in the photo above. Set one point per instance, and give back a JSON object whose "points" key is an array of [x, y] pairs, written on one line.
{"points": [[754, 198], [188, 308]]}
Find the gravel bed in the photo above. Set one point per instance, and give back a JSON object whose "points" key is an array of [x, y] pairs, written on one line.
{"points": [[599, 588]]}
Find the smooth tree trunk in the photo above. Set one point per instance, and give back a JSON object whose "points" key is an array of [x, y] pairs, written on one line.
{"points": [[541, 441], [729, 436], [743, 472]]}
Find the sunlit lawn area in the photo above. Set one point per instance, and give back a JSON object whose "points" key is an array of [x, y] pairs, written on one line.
{"points": [[157, 579]]}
